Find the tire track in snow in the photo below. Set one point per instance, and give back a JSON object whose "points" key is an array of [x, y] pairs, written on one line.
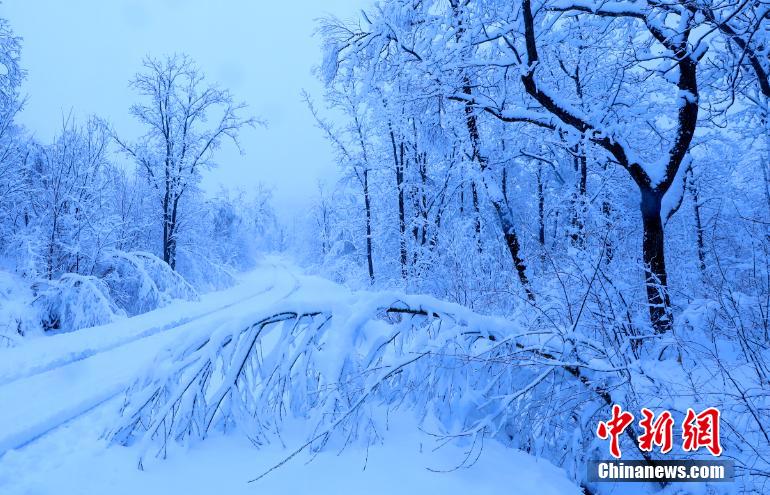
{"points": [[86, 353], [10, 374], [31, 406]]}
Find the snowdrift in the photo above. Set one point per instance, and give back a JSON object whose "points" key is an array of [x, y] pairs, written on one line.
{"points": [[75, 301], [123, 284], [140, 282]]}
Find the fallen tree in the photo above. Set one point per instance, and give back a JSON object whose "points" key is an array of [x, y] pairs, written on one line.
{"points": [[322, 359]]}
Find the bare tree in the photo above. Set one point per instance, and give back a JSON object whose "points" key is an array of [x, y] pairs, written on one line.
{"points": [[186, 121]]}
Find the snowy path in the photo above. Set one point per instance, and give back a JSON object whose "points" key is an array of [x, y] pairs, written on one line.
{"points": [[59, 394], [52, 380]]}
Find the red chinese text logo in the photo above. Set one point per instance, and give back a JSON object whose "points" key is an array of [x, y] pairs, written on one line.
{"points": [[614, 427], [698, 430], [702, 430], [660, 432]]}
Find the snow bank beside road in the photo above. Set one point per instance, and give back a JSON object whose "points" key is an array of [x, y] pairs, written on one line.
{"points": [[36, 355], [48, 381]]}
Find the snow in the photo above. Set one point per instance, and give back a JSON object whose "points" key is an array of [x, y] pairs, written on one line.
{"points": [[62, 394], [15, 315], [76, 461], [50, 380], [36, 355]]}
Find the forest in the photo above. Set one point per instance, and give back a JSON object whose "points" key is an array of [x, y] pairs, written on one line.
{"points": [[540, 209]]}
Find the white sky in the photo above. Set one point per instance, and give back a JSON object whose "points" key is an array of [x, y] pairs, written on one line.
{"points": [[80, 55]]}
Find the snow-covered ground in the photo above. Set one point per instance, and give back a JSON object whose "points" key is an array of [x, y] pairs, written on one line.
{"points": [[73, 460], [59, 394]]}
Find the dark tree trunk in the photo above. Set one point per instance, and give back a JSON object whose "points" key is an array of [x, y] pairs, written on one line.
{"points": [[51, 247], [423, 169], [504, 182], [477, 215], [540, 207], [402, 211], [607, 212], [609, 249], [579, 197], [325, 245], [398, 159], [172, 233], [655, 262], [368, 207], [166, 224], [502, 208], [170, 224], [166, 239], [171, 252], [501, 205], [698, 223]]}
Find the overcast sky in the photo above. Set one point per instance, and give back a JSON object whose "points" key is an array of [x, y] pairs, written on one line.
{"points": [[80, 55]]}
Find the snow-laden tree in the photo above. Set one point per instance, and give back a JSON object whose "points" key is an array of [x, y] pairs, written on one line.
{"points": [[186, 121], [70, 197], [588, 129], [13, 149], [530, 90], [340, 361], [85, 234], [353, 151]]}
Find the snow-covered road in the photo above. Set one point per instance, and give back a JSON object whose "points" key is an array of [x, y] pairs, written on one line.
{"points": [[59, 394], [51, 380]]}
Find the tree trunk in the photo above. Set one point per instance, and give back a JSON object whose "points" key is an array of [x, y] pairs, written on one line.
{"points": [[609, 249], [171, 253], [423, 170], [607, 212], [502, 208], [51, 247], [172, 232], [500, 204], [170, 214], [477, 219], [166, 225], [540, 207], [698, 223], [579, 198], [653, 245], [401, 213], [368, 207], [398, 160]]}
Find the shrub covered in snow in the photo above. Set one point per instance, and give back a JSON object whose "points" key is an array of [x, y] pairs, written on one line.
{"points": [[17, 318], [202, 272], [124, 284], [139, 282], [73, 302]]}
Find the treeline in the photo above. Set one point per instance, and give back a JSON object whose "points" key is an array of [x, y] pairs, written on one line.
{"points": [[598, 173], [92, 221], [501, 153]]}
